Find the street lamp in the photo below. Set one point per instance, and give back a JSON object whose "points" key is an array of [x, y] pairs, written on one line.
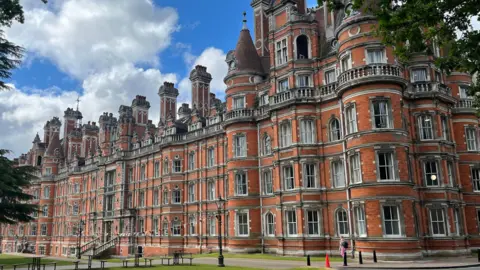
{"points": [[220, 203], [81, 224]]}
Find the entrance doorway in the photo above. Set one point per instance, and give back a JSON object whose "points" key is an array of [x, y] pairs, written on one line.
{"points": [[108, 231]]}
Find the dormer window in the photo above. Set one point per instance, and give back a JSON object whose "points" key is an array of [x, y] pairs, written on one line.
{"points": [[232, 65]]}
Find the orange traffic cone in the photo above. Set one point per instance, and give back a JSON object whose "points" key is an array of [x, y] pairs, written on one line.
{"points": [[327, 261]]}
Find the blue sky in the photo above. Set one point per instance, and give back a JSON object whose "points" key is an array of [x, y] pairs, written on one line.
{"points": [[107, 52]]}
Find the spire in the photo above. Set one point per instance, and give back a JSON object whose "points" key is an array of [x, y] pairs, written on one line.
{"points": [[78, 102], [244, 21], [37, 139], [245, 56]]}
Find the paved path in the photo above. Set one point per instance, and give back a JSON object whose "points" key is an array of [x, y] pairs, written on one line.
{"points": [[439, 263]]}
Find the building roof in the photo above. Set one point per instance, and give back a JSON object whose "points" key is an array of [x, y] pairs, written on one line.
{"points": [[246, 56], [54, 145]]}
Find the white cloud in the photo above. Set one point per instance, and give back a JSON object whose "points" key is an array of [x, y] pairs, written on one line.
{"points": [[87, 36], [23, 114], [214, 60], [100, 44]]}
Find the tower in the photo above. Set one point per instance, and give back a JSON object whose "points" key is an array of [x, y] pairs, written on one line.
{"points": [[140, 107], [261, 26], [201, 79], [72, 119], [168, 101]]}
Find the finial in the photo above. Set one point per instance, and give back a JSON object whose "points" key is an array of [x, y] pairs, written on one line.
{"points": [[78, 101], [244, 21]]}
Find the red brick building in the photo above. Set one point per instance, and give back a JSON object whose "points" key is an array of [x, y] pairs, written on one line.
{"points": [[324, 133]]}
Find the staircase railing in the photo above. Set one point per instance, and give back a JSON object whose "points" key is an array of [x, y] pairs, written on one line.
{"points": [[105, 246], [89, 245]]}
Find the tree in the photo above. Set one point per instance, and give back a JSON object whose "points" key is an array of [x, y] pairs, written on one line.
{"points": [[13, 181], [10, 54], [412, 26]]}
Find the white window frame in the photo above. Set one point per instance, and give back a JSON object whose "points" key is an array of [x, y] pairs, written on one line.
{"points": [[390, 168], [471, 138], [418, 77], [355, 168], [211, 157], [177, 166], [288, 177], [241, 184], [212, 225], [310, 216], [475, 175], [283, 85], [335, 130], [269, 224], [345, 62], [239, 102], [341, 223], [291, 220], [309, 171], [285, 134], [338, 173], [384, 117], [307, 131], [192, 222], [304, 80], [240, 145], [211, 190], [191, 161], [351, 117], [191, 192], [267, 182], [438, 220], [398, 220], [360, 221], [281, 51], [427, 164], [176, 194], [240, 227], [379, 56], [425, 127], [328, 77]]}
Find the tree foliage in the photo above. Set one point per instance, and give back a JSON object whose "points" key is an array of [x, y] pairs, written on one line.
{"points": [[13, 180], [13, 201], [412, 26]]}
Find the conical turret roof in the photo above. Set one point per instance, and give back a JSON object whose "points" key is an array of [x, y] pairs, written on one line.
{"points": [[246, 56]]}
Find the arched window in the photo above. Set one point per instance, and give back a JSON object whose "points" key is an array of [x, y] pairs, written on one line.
{"points": [[342, 222], [335, 133], [165, 196], [39, 160], [165, 227], [269, 224], [267, 145], [302, 47]]}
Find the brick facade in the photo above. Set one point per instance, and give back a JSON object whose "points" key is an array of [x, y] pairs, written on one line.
{"points": [[323, 133]]}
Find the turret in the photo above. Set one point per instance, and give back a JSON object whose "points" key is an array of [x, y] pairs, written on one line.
{"points": [[107, 124]]}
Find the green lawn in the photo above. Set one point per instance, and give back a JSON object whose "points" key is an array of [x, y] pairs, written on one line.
{"points": [[10, 260], [260, 256], [201, 267]]}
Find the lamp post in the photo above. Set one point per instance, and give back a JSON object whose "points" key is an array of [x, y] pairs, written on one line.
{"points": [[81, 223], [220, 202]]}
